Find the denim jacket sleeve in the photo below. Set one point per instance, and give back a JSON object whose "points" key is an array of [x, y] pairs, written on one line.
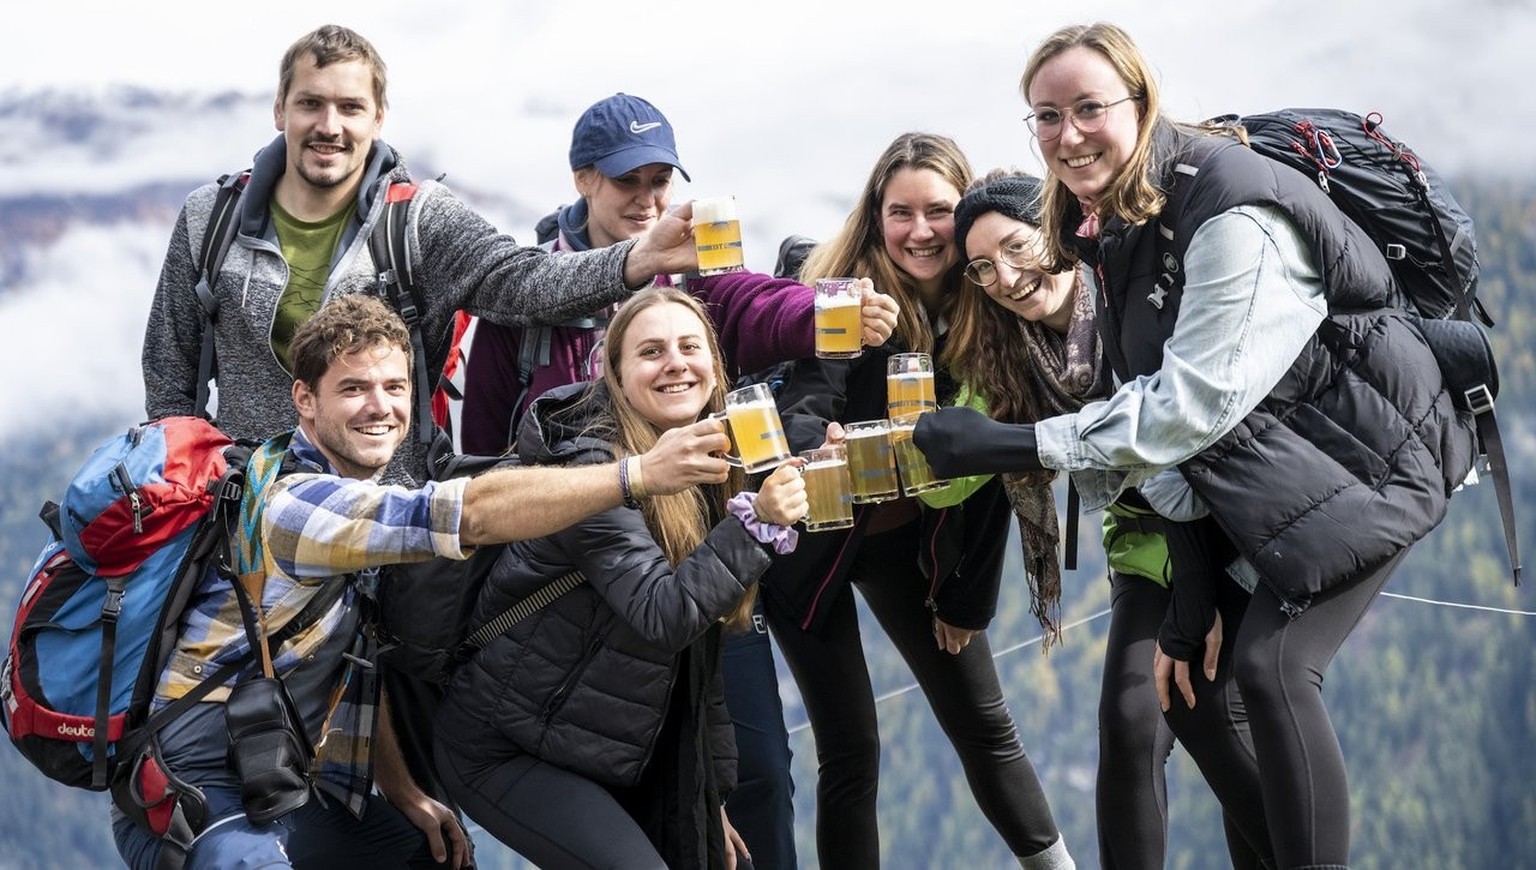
{"points": [[1252, 299]]}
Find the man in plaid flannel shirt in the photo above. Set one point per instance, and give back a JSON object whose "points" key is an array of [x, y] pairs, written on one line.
{"points": [[327, 515]]}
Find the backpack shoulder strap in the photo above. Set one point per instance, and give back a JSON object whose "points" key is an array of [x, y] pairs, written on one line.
{"points": [[216, 241], [533, 350], [535, 602], [390, 245]]}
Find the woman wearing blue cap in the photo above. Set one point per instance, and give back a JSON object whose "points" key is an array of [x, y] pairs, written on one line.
{"points": [[623, 157]]}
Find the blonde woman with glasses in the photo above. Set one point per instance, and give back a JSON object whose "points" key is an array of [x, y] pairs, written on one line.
{"points": [[1253, 333]]}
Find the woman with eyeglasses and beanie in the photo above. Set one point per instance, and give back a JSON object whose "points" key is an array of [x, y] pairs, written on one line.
{"points": [[1024, 341], [1252, 330], [930, 576]]}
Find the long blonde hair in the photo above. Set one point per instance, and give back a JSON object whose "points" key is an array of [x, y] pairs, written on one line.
{"points": [[681, 521], [1133, 194], [859, 247]]}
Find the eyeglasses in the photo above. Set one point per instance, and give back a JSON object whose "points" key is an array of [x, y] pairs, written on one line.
{"points": [[1088, 116], [1018, 253]]}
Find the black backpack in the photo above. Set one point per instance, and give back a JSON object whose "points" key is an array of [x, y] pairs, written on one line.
{"points": [[1381, 185], [426, 608]]}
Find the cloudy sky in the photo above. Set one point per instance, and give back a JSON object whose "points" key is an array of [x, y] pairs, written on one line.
{"points": [[785, 105], [808, 86]]}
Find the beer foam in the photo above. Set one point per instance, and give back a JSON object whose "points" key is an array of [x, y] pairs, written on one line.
{"points": [[825, 463], [714, 210], [839, 301]]}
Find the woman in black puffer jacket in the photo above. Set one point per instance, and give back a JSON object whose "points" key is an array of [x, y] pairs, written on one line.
{"points": [[592, 732]]}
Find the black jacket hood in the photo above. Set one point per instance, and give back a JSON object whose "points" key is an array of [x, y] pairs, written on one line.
{"points": [[569, 425]]}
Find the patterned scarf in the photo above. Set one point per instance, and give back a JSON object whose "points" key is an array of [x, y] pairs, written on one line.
{"points": [[1067, 372]]}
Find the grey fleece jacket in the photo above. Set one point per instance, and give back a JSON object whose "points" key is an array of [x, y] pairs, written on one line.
{"points": [[460, 262]]}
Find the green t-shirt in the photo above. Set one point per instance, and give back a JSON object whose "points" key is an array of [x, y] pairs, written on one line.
{"points": [[308, 247]]}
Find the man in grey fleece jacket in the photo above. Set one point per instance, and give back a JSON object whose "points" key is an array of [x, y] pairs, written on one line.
{"points": [[329, 168], [314, 195]]}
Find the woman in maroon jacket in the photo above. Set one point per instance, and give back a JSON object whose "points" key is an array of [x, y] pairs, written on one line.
{"points": [[624, 179]]}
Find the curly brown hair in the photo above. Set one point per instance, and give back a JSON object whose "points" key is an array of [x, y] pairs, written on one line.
{"points": [[345, 325]]}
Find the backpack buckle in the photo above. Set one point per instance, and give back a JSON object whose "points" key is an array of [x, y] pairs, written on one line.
{"points": [[112, 608], [1479, 399]]}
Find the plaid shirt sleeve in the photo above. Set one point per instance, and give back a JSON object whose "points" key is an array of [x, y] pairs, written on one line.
{"points": [[321, 525]]}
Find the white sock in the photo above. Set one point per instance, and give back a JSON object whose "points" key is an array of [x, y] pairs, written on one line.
{"points": [[1053, 857]]}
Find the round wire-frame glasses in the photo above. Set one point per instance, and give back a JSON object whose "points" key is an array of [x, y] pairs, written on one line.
{"points": [[1018, 253], [1088, 116]]}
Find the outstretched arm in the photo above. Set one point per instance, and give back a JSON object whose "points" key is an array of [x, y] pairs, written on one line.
{"points": [[665, 249], [520, 503]]}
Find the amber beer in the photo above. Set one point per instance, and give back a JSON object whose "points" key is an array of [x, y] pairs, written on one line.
{"points": [[916, 474], [755, 429], [871, 466], [717, 235], [829, 489], [909, 384], [839, 328]]}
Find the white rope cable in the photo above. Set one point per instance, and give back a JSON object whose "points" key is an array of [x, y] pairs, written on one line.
{"points": [[1482, 607], [898, 692], [879, 699]]}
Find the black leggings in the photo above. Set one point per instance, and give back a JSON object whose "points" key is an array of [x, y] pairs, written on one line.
{"points": [[1130, 794], [1135, 741], [1279, 670], [963, 691], [551, 816], [1216, 736]]}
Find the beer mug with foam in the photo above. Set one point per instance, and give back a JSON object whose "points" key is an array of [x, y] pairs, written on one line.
{"points": [[839, 329], [717, 235], [753, 425], [909, 384], [916, 474], [828, 487], [871, 465]]}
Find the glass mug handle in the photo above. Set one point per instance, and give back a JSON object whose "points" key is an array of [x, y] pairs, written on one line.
{"points": [[733, 455]]}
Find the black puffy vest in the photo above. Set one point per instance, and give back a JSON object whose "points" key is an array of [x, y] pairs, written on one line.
{"points": [[1353, 455]]}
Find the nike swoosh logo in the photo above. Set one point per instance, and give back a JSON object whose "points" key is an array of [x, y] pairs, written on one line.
{"points": [[637, 127]]}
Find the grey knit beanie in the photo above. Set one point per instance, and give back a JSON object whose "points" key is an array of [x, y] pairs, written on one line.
{"points": [[1016, 196]]}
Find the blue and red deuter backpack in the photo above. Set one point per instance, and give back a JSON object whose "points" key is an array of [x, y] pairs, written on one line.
{"points": [[149, 513]]}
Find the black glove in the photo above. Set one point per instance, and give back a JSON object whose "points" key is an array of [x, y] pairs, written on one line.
{"points": [[1194, 552], [964, 441]]}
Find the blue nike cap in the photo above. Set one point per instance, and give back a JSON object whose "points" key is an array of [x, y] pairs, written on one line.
{"points": [[622, 133]]}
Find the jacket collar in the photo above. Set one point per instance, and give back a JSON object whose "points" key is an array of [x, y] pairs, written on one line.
{"points": [[272, 161]]}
